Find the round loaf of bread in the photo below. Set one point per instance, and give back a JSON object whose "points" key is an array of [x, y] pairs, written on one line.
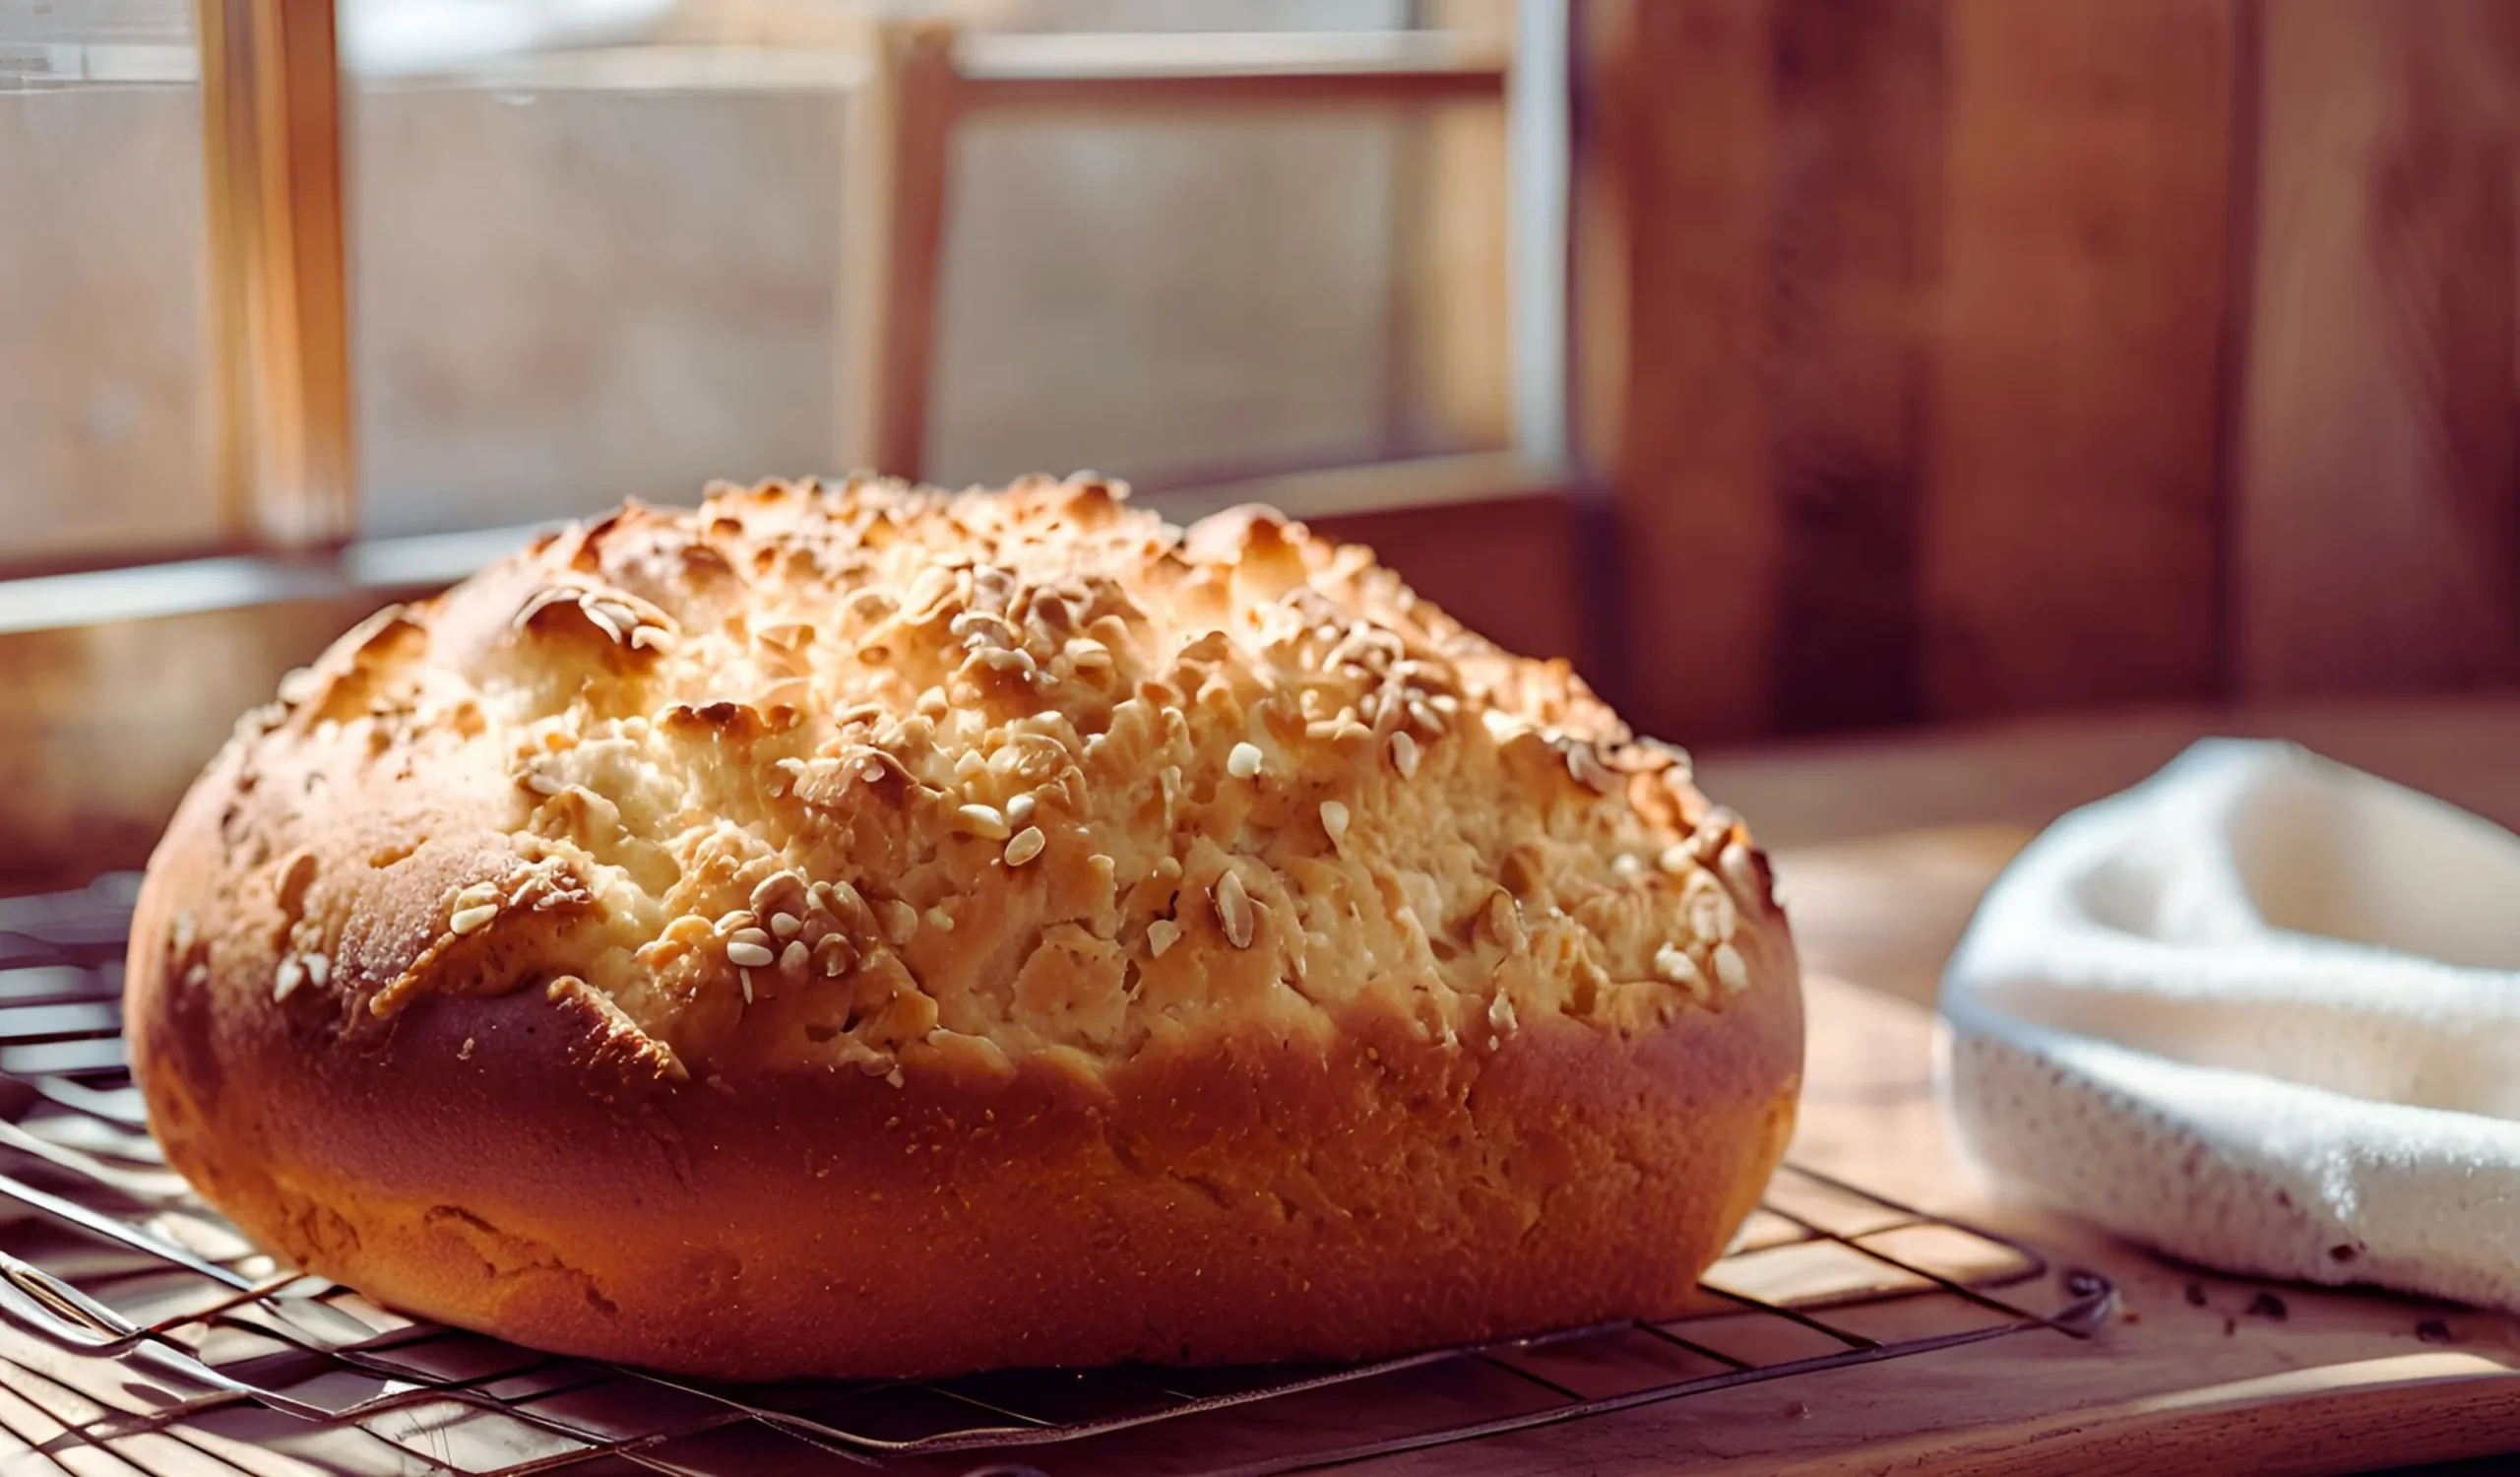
{"points": [[865, 931]]}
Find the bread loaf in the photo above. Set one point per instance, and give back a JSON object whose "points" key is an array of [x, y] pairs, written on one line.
{"points": [[865, 931]]}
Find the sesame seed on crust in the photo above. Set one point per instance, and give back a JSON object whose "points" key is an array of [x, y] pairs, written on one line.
{"points": [[850, 757]]}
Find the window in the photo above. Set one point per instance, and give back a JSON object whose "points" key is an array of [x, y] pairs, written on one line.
{"points": [[313, 307], [597, 248], [104, 370]]}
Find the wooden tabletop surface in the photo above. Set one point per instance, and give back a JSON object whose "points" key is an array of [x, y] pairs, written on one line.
{"points": [[1883, 850]]}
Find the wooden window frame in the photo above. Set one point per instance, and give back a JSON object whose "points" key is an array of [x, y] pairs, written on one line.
{"points": [[122, 678], [285, 468]]}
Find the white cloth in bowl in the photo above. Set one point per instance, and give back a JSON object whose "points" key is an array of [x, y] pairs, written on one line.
{"points": [[2262, 1013]]}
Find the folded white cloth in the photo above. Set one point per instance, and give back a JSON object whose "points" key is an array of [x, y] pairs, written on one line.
{"points": [[2262, 1013]]}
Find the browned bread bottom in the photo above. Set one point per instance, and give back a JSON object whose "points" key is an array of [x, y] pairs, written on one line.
{"points": [[500, 1164]]}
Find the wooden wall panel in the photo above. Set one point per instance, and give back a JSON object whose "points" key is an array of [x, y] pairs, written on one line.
{"points": [[1926, 316], [2376, 474], [1604, 105], [1699, 540], [2074, 545], [1854, 243]]}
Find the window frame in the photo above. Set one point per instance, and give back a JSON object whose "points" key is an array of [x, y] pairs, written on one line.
{"points": [[283, 465]]}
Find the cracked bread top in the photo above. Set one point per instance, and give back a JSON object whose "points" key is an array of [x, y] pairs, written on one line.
{"points": [[814, 773]]}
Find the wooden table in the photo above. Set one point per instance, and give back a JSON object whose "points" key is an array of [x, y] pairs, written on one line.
{"points": [[1883, 852]]}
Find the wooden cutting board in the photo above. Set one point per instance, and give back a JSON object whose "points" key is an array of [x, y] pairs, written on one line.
{"points": [[2199, 1372]]}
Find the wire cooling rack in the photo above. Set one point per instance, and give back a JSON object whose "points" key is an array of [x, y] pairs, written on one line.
{"points": [[140, 1333]]}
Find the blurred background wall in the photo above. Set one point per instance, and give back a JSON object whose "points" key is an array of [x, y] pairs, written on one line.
{"points": [[2006, 356]]}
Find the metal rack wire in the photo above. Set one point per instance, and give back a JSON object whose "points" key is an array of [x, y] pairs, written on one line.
{"points": [[139, 1333]]}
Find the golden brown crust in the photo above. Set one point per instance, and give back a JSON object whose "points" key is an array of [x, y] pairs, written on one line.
{"points": [[610, 954]]}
